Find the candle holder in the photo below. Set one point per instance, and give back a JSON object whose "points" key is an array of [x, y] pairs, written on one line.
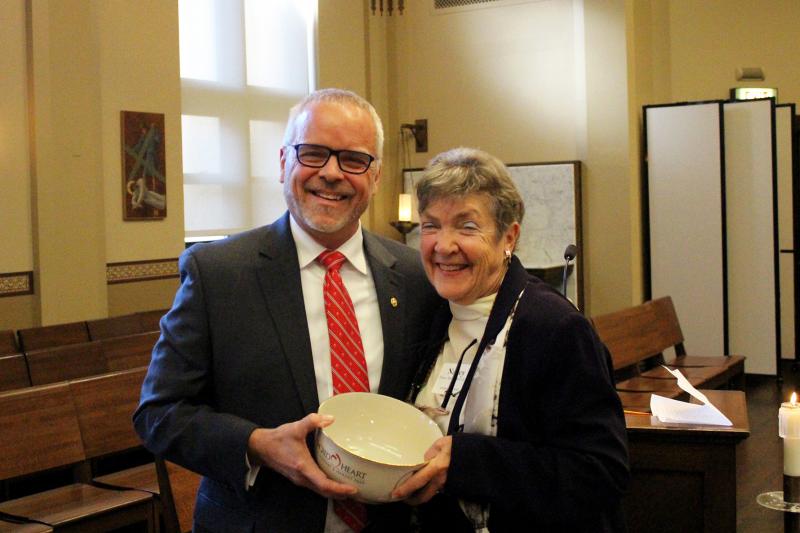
{"points": [[404, 227], [788, 500]]}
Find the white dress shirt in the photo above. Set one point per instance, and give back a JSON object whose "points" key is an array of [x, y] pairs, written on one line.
{"points": [[357, 278], [468, 325]]}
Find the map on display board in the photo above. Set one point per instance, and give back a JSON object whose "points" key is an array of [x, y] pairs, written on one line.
{"points": [[551, 192]]}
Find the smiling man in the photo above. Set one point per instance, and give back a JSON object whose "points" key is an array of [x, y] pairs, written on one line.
{"points": [[271, 322]]}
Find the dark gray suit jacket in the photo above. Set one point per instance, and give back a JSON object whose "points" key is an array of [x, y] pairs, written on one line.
{"points": [[234, 354]]}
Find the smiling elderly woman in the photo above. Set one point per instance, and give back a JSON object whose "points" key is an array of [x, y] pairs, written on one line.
{"points": [[515, 376]]}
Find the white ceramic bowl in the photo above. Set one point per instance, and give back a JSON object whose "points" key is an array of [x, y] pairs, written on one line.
{"points": [[374, 443]]}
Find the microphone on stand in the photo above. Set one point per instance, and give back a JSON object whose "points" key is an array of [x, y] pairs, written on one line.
{"points": [[569, 255]]}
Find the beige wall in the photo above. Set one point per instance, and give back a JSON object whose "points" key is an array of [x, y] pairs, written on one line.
{"points": [[532, 82], [708, 41], [125, 298], [15, 191], [528, 81], [85, 62], [139, 70]]}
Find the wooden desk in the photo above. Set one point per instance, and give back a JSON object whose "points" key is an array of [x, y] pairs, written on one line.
{"points": [[683, 477]]}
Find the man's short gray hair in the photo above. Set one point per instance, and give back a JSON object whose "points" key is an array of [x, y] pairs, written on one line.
{"points": [[337, 96], [463, 171]]}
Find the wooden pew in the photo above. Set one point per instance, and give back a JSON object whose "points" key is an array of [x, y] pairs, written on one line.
{"points": [[104, 405], [149, 320], [116, 326], [40, 432], [62, 363], [8, 342], [178, 491], [110, 400], [49, 336], [17, 527], [629, 335], [13, 372], [131, 351], [730, 368], [638, 336]]}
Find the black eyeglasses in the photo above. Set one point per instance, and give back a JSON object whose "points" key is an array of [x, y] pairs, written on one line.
{"points": [[316, 156]]}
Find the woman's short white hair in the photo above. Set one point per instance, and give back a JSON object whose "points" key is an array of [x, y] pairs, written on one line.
{"points": [[463, 171]]}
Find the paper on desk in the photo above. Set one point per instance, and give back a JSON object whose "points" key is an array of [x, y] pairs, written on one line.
{"points": [[674, 411]]}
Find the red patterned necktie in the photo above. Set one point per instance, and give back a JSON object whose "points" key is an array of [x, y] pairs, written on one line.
{"points": [[348, 365]]}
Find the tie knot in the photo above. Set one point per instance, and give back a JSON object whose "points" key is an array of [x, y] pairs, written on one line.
{"points": [[331, 259]]}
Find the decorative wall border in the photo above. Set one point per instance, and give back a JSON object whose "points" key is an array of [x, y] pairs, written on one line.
{"points": [[16, 283], [131, 271]]}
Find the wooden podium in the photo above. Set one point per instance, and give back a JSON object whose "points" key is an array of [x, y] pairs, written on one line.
{"points": [[683, 477]]}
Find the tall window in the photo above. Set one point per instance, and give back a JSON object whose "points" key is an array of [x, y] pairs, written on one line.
{"points": [[244, 63]]}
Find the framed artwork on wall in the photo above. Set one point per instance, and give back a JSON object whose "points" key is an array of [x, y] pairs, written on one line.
{"points": [[144, 178]]}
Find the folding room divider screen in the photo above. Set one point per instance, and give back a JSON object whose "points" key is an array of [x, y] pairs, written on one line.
{"points": [[710, 202]]}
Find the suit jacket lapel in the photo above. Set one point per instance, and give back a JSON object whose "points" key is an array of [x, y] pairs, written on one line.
{"points": [[390, 288], [279, 278]]}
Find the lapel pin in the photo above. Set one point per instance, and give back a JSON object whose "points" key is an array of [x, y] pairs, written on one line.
{"points": [[393, 301]]}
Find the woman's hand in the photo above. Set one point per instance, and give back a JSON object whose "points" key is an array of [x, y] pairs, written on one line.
{"points": [[430, 479]]}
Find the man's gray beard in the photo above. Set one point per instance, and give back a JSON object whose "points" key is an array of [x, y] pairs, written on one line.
{"points": [[301, 215]]}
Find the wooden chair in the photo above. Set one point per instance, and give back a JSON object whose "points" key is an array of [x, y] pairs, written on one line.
{"points": [[178, 492], [8, 342], [117, 326], [49, 336], [13, 372], [63, 363], [150, 320], [41, 432], [131, 351]]}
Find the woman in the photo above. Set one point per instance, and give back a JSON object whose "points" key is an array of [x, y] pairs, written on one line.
{"points": [[535, 434]]}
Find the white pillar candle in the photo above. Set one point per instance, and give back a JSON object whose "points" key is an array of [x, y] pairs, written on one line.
{"points": [[404, 210], [789, 431]]}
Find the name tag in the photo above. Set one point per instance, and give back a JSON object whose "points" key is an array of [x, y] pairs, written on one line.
{"points": [[445, 377]]}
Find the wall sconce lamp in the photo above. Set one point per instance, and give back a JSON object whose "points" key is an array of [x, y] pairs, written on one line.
{"points": [[404, 224], [389, 5], [419, 129]]}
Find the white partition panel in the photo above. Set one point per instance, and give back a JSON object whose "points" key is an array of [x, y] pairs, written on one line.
{"points": [[784, 114], [751, 232], [684, 175]]}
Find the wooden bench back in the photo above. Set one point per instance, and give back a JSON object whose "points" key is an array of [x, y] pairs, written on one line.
{"points": [[668, 325], [13, 372], [48, 336], [39, 430], [131, 351], [104, 406], [116, 326], [631, 335], [66, 362], [8, 342], [150, 320]]}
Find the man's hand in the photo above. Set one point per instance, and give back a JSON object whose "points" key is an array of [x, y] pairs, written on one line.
{"points": [[430, 479], [284, 450]]}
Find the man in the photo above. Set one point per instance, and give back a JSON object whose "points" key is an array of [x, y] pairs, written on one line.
{"points": [[245, 355]]}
